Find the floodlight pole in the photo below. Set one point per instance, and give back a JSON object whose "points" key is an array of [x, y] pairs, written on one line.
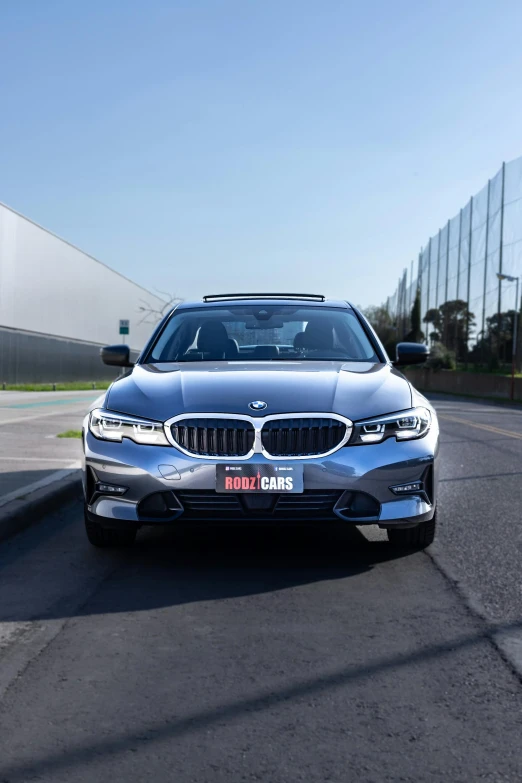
{"points": [[515, 334], [516, 280]]}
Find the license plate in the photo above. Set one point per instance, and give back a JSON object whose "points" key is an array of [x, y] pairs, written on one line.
{"points": [[261, 479]]}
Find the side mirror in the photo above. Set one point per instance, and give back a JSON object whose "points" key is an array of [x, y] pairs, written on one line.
{"points": [[116, 356], [411, 353]]}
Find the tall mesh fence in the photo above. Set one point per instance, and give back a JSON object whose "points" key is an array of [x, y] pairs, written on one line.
{"points": [[467, 301]]}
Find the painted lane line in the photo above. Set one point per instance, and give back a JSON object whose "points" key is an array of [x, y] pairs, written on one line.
{"points": [[485, 427], [63, 401]]}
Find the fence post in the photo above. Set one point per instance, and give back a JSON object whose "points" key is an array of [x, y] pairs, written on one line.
{"points": [[401, 306], [419, 280], [447, 263], [445, 323], [469, 275], [438, 268], [429, 278], [404, 301], [517, 357], [485, 272], [412, 295], [398, 309], [500, 254], [458, 288]]}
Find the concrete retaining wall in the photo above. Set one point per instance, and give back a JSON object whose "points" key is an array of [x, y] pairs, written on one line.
{"points": [[455, 382]]}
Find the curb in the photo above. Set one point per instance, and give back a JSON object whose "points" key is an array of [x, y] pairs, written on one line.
{"points": [[32, 502]]}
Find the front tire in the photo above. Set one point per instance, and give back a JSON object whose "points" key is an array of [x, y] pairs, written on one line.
{"points": [[413, 538], [109, 538]]}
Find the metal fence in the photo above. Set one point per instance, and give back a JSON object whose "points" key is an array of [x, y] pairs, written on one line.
{"points": [[467, 273]]}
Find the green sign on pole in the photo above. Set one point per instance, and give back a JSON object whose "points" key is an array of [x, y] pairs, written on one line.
{"points": [[124, 326]]}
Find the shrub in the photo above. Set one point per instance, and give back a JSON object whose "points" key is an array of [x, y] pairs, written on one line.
{"points": [[441, 358]]}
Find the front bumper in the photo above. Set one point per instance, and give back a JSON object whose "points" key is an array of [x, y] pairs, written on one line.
{"points": [[368, 470]]}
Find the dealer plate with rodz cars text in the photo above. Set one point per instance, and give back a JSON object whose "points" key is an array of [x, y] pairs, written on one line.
{"points": [[260, 478]]}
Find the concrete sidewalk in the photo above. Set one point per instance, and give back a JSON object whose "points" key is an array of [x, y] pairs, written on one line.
{"points": [[32, 457]]}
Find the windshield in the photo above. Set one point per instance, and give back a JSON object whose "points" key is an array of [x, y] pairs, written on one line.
{"points": [[267, 332]]}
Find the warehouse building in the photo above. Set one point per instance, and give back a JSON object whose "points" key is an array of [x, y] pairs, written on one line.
{"points": [[58, 306]]}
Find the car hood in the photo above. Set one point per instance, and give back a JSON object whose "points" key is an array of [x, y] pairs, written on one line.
{"points": [[357, 390]]}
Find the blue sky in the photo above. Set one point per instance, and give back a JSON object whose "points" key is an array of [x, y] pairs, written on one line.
{"points": [[215, 145]]}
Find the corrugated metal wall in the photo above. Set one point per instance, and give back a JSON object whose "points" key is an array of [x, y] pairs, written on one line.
{"points": [[26, 357], [50, 290]]}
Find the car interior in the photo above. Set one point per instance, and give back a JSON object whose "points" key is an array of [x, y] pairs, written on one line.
{"points": [[303, 335]]}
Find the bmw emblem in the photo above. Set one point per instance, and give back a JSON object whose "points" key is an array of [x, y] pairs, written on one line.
{"points": [[257, 405]]}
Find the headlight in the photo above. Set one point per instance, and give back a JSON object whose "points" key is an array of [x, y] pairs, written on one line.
{"points": [[113, 426], [406, 425]]}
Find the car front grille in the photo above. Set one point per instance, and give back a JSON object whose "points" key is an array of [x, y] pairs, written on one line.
{"points": [[214, 506], [214, 437], [302, 437]]}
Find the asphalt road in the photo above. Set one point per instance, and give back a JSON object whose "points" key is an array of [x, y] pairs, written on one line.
{"points": [[277, 657]]}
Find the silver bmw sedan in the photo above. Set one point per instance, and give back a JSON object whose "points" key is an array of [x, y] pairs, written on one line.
{"points": [[262, 409]]}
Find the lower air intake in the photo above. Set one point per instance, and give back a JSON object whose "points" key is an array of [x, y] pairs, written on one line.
{"points": [[209, 505]]}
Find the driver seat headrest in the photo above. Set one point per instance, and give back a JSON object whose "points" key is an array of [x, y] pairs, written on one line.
{"points": [[318, 334]]}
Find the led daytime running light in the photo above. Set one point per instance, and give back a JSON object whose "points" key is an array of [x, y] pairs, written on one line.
{"points": [[106, 425]]}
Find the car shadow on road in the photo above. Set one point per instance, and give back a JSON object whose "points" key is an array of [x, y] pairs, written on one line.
{"points": [[168, 567]]}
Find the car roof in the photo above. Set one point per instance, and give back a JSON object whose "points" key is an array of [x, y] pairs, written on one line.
{"points": [[226, 300]]}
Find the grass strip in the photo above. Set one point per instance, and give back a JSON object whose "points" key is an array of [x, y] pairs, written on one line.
{"points": [[44, 387]]}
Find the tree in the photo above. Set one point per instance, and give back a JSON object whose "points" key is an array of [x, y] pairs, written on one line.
{"points": [[496, 342], [153, 315], [441, 358], [416, 315], [452, 324], [415, 335], [433, 316], [383, 324], [457, 324]]}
